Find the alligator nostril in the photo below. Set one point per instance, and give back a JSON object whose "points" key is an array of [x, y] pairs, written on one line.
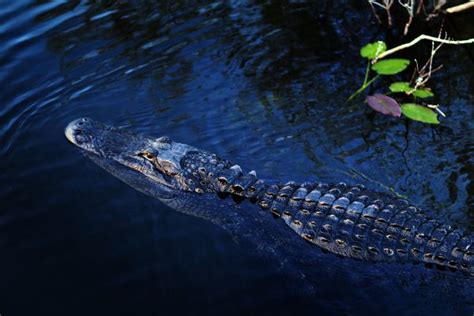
{"points": [[82, 121]]}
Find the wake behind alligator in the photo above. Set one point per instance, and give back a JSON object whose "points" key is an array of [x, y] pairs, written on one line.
{"points": [[347, 220]]}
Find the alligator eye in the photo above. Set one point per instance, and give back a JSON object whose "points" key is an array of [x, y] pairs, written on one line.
{"points": [[147, 155]]}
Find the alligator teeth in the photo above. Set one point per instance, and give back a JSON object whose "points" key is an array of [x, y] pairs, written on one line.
{"points": [[253, 173]]}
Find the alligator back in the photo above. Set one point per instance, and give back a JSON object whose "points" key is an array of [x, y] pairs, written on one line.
{"points": [[351, 221], [355, 222], [358, 223]]}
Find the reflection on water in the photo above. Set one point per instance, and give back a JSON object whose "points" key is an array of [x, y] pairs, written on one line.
{"points": [[263, 83]]}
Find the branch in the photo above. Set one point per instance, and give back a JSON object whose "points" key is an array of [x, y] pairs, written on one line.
{"points": [[461, 7], [420, 38]]}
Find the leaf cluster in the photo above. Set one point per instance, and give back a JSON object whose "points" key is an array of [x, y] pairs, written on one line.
{"points": [[382, 102]]}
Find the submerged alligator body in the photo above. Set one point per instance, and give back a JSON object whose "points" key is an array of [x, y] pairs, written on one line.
{"points": [[348, 220]]}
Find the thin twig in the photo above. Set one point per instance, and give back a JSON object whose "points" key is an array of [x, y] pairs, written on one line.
{"points": [[421, 6], [460, 7], [407, 25], [439, 4], [375, 12], [409, 5], [420, 38], [389, 15], [423, 75], [436, 107], [386, 5]]}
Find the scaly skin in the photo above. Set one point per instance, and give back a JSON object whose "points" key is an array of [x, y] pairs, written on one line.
{"points": [[347, 220], [350, 221]]}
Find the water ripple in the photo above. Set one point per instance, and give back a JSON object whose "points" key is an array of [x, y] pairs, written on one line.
{"points": [[262, 83]]}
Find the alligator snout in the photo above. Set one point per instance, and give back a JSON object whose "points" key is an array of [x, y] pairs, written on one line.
{"points": [[101, 139], [77, 132]]}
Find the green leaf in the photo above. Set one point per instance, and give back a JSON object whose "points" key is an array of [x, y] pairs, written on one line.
{"points": [[423, 93], [419, 113], [390, 66], [372, 50], [400, 87]]}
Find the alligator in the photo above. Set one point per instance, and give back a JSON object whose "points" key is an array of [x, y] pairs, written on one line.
{"points": [[347, 220]]}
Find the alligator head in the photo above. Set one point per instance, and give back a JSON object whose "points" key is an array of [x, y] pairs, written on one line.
{"points": [[156, 166]]}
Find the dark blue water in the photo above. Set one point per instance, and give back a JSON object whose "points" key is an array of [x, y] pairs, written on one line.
{"points": [[262, 83]]}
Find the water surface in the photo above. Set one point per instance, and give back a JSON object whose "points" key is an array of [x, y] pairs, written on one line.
{"points": [[262, 83]]}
